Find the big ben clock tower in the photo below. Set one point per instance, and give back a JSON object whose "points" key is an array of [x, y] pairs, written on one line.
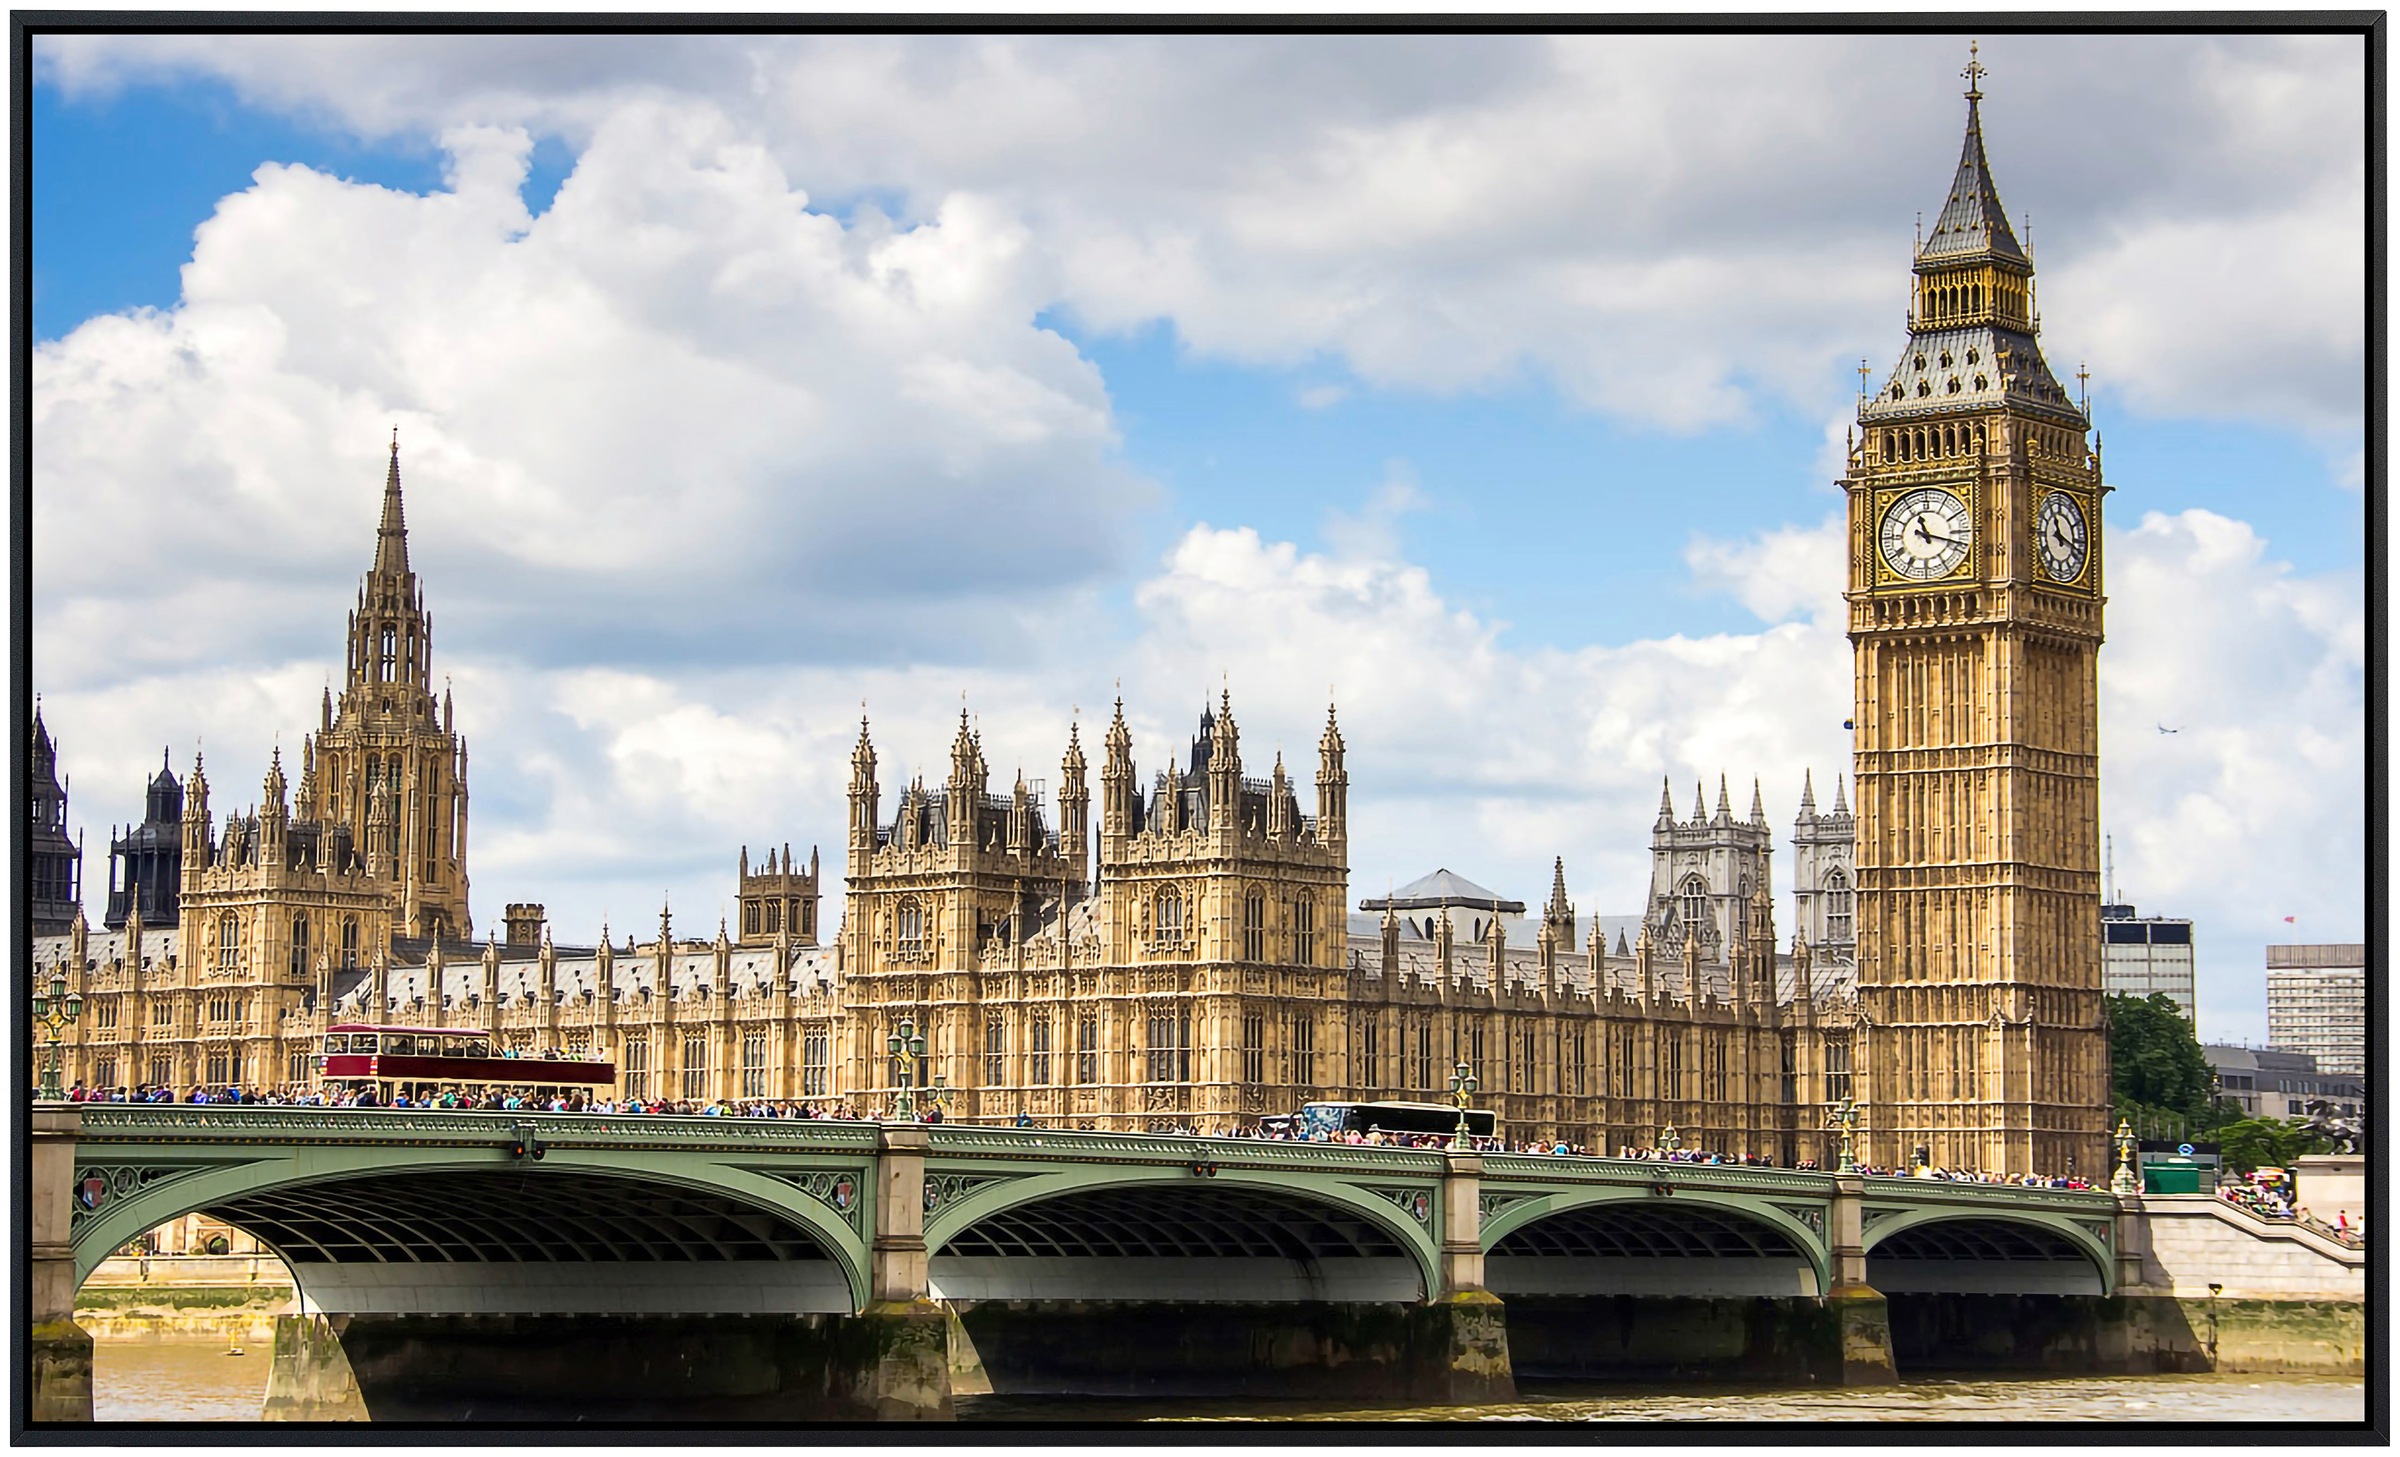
{"points": [[1975, 616]]}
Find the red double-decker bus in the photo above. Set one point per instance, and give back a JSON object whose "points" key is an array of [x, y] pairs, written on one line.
{"points": [[433, 1060]]}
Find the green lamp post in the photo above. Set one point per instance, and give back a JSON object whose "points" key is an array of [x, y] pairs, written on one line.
{"points": [[908, 1046], [52, 1013], [1845, 1118], [1462, 1087]]}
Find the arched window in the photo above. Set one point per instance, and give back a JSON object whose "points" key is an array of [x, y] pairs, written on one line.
{"points": [[391, 652], [229, 941], [1837, 908], [1168, 911], [349, 943], [299, 946], [1741, 911], [1695, 906], [909, 929], [1254, 925]]}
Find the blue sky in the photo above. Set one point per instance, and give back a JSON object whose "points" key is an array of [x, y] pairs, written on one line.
{"points": [[1552, 458]]}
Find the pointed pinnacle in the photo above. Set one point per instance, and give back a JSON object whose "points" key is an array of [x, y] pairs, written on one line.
{"points": [[391, 536]]}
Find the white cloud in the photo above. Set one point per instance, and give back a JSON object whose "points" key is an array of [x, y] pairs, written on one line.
{"points": [[1615, 213], [680, 413], [1373, 531], [2254, 808], [1786, 572]]}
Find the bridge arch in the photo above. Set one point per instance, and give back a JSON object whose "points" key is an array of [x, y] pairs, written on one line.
{"points": [[1151, 1234], [385, 1228], [1625, 1241], [1974, 1251]]}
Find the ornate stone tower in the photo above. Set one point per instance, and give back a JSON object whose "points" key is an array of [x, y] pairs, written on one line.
{"points": [[1975, 615], [1220, 867], [151, 857], [388, 764], [959, 882], [779, 899], [1825, 875], [53, 863], [1705, 872]]}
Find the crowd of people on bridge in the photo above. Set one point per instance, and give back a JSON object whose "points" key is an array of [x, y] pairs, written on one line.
{"points": [[2269, 1199], [2268, 1193]]}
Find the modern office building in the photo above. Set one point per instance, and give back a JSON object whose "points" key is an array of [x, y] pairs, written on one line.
{"points": [[2317, 1004], [2143, 955], [2273, 1084]]}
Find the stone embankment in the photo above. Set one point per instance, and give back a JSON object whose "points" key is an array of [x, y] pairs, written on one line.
{"points": [[229, 1298]]}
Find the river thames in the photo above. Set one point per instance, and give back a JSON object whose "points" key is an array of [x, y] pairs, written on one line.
{"points": [[197, 1381]]}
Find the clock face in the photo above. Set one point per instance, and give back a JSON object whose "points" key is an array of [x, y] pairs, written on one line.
{"points": [[1925, 534], [2059, 530]]}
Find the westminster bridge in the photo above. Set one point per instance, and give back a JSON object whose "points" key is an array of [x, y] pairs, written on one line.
{"points": [[512, 1264]]}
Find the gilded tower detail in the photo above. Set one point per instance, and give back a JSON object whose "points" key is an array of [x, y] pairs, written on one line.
{"points": [[1975, 614]]}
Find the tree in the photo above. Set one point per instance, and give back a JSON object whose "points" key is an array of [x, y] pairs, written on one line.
{"points": [[2251, 1143], [2160, 1081]]}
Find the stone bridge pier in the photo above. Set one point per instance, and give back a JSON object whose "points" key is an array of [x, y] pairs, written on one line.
{"points": [[58, 1351], [1862, 1321]]}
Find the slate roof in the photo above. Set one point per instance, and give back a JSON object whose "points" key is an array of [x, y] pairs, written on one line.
{"points": [[1971, 223], [1962, 370], [1443, 888]]}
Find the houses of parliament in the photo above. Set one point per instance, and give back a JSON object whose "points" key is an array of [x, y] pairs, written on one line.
{"points": [[1180, 948]]}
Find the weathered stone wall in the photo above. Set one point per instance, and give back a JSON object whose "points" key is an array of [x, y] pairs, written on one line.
{"points": [[1366, 1351], [1649, 1337], [2196, 1240], [2332, 1184], [238, 1315], [2126, 1334], [601, 1367]]}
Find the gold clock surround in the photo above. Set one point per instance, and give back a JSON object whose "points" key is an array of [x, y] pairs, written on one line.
{"points": [[1885, 576]]}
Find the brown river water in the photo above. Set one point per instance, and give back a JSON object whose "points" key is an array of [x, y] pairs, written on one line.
{"points": [[190, 1381]]}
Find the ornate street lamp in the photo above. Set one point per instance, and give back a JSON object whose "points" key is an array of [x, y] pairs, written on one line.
{"points": [[907, 1046], [1462, 1087], [1669, 1140], [1845, 1118], [2126, 1180], [939, 1095], [52, 1013]]}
